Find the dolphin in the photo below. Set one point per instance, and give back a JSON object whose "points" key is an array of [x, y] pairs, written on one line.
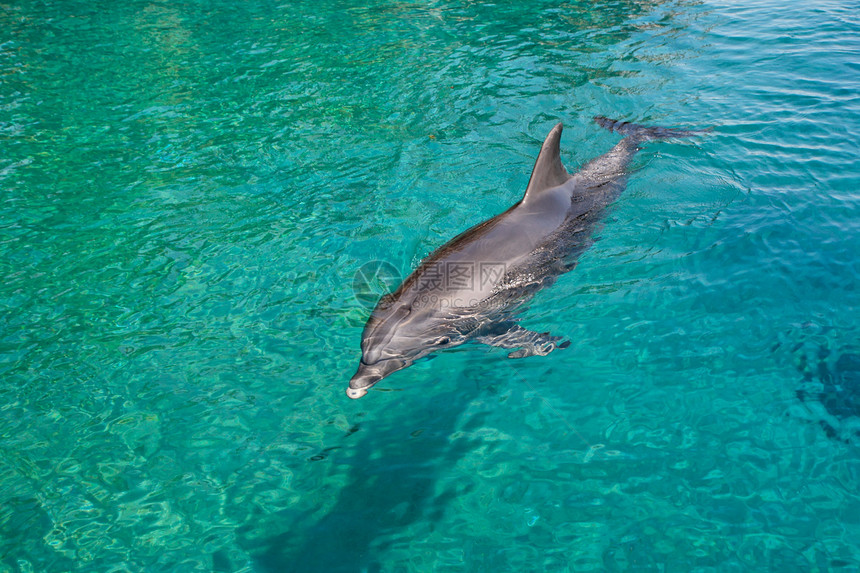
{"points": [[470, 288]]}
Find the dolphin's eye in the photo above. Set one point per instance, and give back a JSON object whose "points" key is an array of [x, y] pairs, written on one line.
{"points": [[403, 310], [443, 340]]}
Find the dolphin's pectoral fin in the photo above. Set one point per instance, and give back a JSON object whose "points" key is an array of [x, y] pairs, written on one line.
{"points": [[528, 342]]}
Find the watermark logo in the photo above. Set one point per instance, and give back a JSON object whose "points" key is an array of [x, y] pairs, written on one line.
{"points": [[372, 280], [441, 285], [460, 276]]}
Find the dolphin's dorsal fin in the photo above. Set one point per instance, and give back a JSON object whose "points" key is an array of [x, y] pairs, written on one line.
{"points": [[548, 171]]}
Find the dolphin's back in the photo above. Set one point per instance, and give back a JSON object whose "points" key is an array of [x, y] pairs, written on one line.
{"points": [[486, 252]]}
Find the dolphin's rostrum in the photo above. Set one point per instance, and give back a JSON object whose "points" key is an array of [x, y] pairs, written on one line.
{"points": [[469, 288]]}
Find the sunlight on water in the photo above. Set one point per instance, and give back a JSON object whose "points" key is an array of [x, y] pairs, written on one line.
{"points": [[187, 191]]}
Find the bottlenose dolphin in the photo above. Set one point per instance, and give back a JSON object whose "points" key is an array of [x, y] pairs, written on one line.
{"points": [[469, 288]]}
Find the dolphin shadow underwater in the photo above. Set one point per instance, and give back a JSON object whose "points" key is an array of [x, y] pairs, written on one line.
{"points": [[470, 288], [832, 394], [393, 489]]}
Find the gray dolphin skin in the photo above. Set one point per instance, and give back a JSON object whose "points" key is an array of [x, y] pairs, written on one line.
{"points": [[470, 288]]}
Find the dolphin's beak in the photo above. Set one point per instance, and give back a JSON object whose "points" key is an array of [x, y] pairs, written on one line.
{"points": [[362, 380], [369, 374]]}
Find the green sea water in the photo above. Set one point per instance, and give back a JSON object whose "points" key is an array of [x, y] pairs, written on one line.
{"points": [[187, 190]]}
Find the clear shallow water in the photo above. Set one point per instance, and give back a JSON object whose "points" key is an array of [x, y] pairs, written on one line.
{"points": [[188, 190]]}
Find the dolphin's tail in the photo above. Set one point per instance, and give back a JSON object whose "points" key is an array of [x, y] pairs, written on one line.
{"points": [[643, 132]]}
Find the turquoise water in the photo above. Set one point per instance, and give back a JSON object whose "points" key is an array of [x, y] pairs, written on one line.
{"points": [[187, 190]]}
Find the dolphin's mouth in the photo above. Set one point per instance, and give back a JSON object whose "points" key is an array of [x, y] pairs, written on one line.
{"points": [[362, 381], [369, 374], [356, 393]]}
